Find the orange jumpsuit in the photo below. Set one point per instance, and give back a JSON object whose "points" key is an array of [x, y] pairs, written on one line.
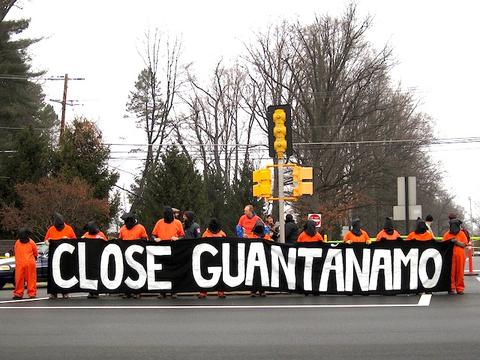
{"points": [[458, 261], [100, 235], [166, 231], [426, 236], [350, 236], [265, 237], [66, 233], [304, 237], [207, 234], [25, 268], [135, 233], [382, 235]]}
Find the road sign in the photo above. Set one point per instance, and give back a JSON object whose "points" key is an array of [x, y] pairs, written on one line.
{"points": [[317, 218]]}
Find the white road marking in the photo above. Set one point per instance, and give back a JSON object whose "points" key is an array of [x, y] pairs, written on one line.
{"points": [[23, 300], [424, 301], [34, 299]]}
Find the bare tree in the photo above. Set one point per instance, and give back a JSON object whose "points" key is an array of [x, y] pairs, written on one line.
{"points": [[152, 100], [219, 123]]}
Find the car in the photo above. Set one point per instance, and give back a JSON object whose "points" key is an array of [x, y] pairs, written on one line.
{"points": [[7, 266]]}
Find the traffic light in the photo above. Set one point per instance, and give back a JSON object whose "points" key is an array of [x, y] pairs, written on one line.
{"points": [[262, 186], [280, 130], [302, 187]]}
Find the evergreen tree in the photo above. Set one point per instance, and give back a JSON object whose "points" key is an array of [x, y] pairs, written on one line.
{"points": [[175, 182]]}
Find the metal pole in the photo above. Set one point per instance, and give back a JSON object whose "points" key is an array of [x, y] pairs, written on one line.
{"points": [[281, 202], [64, 104], [407, 204]]}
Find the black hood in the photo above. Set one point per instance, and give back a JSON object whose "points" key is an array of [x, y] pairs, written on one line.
{"points": [[259, 229], [309, 228], [58, 221], [129, 219], [92, 228], [356, 227], [455, 226], [214, 226], [168, 214], [24, 235], [421, 227], [289, 218], [388, 226]]}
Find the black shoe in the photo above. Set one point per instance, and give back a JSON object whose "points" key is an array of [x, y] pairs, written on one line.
{"points": [[92, 296], [17, 297], [459, 292], [451, 292]]}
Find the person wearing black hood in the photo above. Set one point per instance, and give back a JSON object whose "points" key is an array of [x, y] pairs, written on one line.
{"points": [[132, 230], [356, 234], [168, 228], [291, 230], [458, 237], [26, 254], [190, 227], [93, 232], [388, 232], [59, 230], [214, 230], [421, 232], [309, 233]]}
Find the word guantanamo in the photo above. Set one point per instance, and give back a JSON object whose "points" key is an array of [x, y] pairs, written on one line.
{"points": [[232, 264]]}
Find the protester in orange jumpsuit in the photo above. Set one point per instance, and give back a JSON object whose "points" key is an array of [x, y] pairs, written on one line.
{"points": [[356, 234], [247, 222], [214, 230], [388, 232], [458, 237], [59, 231], [309, 233], [168, 228], [26, 254], [259, 233], [132, 230], [93, 232], [421, 232]]}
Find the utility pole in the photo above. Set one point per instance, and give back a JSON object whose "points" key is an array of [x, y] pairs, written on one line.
{"points": [[64, 104]]}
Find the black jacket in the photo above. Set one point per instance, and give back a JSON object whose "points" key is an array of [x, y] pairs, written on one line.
{"points": [[192, 231], [291, 232]]}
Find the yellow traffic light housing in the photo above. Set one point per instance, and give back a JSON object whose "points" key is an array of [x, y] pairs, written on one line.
{"points": [[262, 186], [302, 187], [280, 131]]}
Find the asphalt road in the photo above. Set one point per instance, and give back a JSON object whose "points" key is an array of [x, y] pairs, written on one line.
{"points": [[240, 327]]}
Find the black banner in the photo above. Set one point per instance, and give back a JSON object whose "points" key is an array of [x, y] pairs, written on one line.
{"points": [[229, 264]]}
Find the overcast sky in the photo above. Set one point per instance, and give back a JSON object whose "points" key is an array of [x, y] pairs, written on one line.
{"points": [[435, 43]]}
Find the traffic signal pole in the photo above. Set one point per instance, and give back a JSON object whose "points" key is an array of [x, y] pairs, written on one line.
{"points": [[281, 202]]}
